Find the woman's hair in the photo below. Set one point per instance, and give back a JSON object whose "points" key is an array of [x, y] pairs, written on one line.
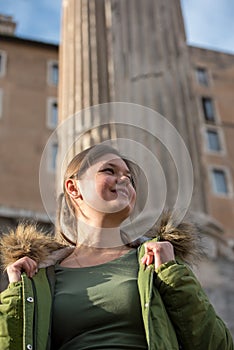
{"points": [[66, 227]]}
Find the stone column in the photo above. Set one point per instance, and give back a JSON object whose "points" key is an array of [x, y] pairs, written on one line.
{"points": [[129, 51]]}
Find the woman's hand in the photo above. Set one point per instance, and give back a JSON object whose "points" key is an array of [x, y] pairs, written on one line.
{"points": [[158, 252], [25, 264]]}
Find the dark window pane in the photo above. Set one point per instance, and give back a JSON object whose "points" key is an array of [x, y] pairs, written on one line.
{"points": [[219, 181], [1, 102], [54, 114], [213, 140], [54, 73], [54, 155], [2, 63], [208, 109], [202, 76]]}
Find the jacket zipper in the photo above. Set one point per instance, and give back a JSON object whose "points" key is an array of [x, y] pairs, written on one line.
{"points": [[35, 315], [150, 298]]}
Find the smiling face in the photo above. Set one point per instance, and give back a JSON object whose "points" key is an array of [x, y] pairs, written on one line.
{"points": [[107, 187]]}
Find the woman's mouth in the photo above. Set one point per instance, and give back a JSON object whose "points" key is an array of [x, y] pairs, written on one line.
{"points": [[123, 192]]}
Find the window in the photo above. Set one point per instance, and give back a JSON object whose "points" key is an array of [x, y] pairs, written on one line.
{"points": [[53, 72], [213, 140], [54, 152], [219, 181], [1, 102], [52, 113], [52, 156], [202, 76], [2, 63], [208, 109]]}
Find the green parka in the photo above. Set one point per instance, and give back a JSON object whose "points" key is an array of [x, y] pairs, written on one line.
{"points": [[176, 311]]}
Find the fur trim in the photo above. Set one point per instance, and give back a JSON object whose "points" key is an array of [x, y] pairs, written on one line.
{"points": [[185, 237], [26, 240]]}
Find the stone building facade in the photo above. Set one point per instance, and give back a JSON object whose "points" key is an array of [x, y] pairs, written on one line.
{"points": [[28, 116], [213, 87]]}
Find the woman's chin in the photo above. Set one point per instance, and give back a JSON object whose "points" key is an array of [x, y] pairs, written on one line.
{"points": [[119, 206]]}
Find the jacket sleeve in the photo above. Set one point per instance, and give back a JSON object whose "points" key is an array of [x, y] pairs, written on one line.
{"points": [[194, 318], [11, 323]]}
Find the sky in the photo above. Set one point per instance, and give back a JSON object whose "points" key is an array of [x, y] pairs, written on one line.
{"points": [[208, 23]]}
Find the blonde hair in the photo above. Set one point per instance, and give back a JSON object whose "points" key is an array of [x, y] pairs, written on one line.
{"points": [[66, 227]]}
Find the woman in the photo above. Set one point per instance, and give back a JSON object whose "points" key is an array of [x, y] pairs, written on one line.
{"points": [[90, 288]]}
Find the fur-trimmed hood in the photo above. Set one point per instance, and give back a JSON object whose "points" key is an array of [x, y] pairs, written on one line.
{"points": [[27, 240]]}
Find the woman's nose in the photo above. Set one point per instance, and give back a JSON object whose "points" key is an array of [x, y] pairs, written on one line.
{"points": [[123, 179]]}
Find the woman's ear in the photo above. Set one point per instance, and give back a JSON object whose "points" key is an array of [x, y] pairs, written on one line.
{"points": [[72, 188]]}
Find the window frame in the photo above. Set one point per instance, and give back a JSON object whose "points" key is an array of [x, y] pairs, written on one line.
{"points": [[54, 156], [3, 63], [205, 114], [51, 160], [220, 134], [50, 79], [1, 103], [49, 118], [229, 186], [202, 82]]}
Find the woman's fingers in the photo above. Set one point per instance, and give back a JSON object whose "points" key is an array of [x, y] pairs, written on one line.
{"points": [[148, 257], [25, 264], [158, 252]]}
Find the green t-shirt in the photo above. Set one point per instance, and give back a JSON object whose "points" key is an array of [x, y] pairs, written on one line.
{"points": [[98, 307]]}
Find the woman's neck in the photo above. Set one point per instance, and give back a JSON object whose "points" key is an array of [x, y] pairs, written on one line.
{"points": [[98, 237]]}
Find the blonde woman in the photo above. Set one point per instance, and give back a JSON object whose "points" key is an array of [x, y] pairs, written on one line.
{"points": [[90, 287]]}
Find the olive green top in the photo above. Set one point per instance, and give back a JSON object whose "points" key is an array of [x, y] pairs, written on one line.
{"points": [[98, 307]]}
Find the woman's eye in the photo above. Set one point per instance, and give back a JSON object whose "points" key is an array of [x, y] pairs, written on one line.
{"points": [[108, 171]]}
